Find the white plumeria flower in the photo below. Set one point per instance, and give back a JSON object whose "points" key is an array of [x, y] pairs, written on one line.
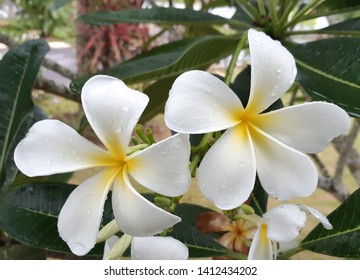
{"points": [[112, 110], [281, 225], [272, 144], [147, 248]]}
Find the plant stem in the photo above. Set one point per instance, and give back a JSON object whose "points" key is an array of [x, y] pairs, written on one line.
{"points": [[261, 7], [273, 12], [298, 16], [193, 165], [288, 254], [133, 149], [232, 65], [284, 17]]}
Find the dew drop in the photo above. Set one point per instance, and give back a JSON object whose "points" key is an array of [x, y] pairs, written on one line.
{"points": [[31, 189], [177, 145], [279, 70], [78, 248], [93, 191], [89, 211], [271, 191], [164, 152], [125, 106], [257, 39], [229, 197]]}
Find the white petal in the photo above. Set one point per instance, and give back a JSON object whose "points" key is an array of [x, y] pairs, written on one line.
{"points": [[284, 222], [158, 248], [80, 217], [112, 110], [307, 127], [283, 171], [199, 102], [52, 147], [320, 217], [109, 244], [164, 166], [261, 247], [273, 71], [135, 215], [227, 172]]}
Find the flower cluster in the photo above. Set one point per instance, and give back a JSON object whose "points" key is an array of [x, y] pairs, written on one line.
{"points": [[271, 144]]}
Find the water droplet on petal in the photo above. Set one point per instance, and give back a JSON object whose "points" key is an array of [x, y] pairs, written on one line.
{"points": [[89, 211], [257, 39], [125, 106], [93, 191], [164, 152], [177, 145], [78, 248]]}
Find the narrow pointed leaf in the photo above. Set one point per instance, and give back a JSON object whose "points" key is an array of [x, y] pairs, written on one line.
{"points": [[29, 214], [344, 239], [169, 60], [200, 245], [334, 7], [328, 70], [347, 27], [18, 71], [168, 16]]}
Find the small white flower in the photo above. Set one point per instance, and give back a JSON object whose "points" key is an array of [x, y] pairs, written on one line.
{"points": [[146, 248], [281, 225], [272, 144], [112, 110]]}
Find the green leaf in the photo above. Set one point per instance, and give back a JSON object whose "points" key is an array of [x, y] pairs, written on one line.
{"points": [[334, 7], [336, 4], [168, 16], [200, 245], [21, 252], [29, 214], [347, 27], [328, 70], [18, 71], [344, 239], [190, 212], [56, 4], [158, 93], [169, 60], [241, 15], [259, 198]]}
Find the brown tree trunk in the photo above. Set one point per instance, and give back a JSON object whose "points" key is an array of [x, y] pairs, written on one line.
{"points": [[100, 47]]}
